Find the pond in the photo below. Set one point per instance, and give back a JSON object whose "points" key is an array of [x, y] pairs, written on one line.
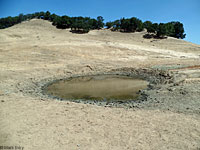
{"points": [[98, 88]]}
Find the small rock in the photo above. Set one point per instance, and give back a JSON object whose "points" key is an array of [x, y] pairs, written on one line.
{"points": [[2, 101], [151, 86], [170, 89], [183, 92], [157, 91]]}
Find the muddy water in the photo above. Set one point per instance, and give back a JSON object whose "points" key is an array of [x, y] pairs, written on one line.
{"points": [[104, 87]]}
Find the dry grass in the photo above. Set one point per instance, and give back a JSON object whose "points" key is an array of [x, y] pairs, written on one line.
{"points": [[35, 50]]}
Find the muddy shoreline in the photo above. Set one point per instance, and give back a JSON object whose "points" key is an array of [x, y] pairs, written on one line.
{"points": [[155, 78], [166, 91]]}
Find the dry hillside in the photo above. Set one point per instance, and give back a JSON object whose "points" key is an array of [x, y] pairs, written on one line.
{"points": [[35, 52]]}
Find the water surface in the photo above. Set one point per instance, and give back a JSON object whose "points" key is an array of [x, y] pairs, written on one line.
{"points": [[103, 87]]}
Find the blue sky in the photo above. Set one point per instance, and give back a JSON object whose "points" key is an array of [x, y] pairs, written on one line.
{"points": [[185, 11]]}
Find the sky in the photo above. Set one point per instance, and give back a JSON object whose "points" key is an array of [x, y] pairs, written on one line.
{"points": [[185, 11]]}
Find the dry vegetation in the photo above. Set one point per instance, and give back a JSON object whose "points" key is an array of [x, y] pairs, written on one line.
{"points": [[34, 52]]}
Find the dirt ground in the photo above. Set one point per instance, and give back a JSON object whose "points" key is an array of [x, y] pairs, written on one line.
{"points": [[34, 53]]}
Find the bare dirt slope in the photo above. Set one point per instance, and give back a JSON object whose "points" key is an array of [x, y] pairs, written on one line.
{"points": [[34, 52]]}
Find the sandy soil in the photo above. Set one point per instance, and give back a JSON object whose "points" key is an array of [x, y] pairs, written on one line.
{"points": [[34, 53]]}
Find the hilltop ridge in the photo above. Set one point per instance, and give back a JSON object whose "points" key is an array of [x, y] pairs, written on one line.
{"points": [[83, 25], [41, 30]]}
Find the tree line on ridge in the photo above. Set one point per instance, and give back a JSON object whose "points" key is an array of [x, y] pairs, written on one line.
{"points": [[85, 24]]}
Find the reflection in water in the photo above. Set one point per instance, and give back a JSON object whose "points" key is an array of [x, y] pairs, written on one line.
{"points": [[104, 87]]}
